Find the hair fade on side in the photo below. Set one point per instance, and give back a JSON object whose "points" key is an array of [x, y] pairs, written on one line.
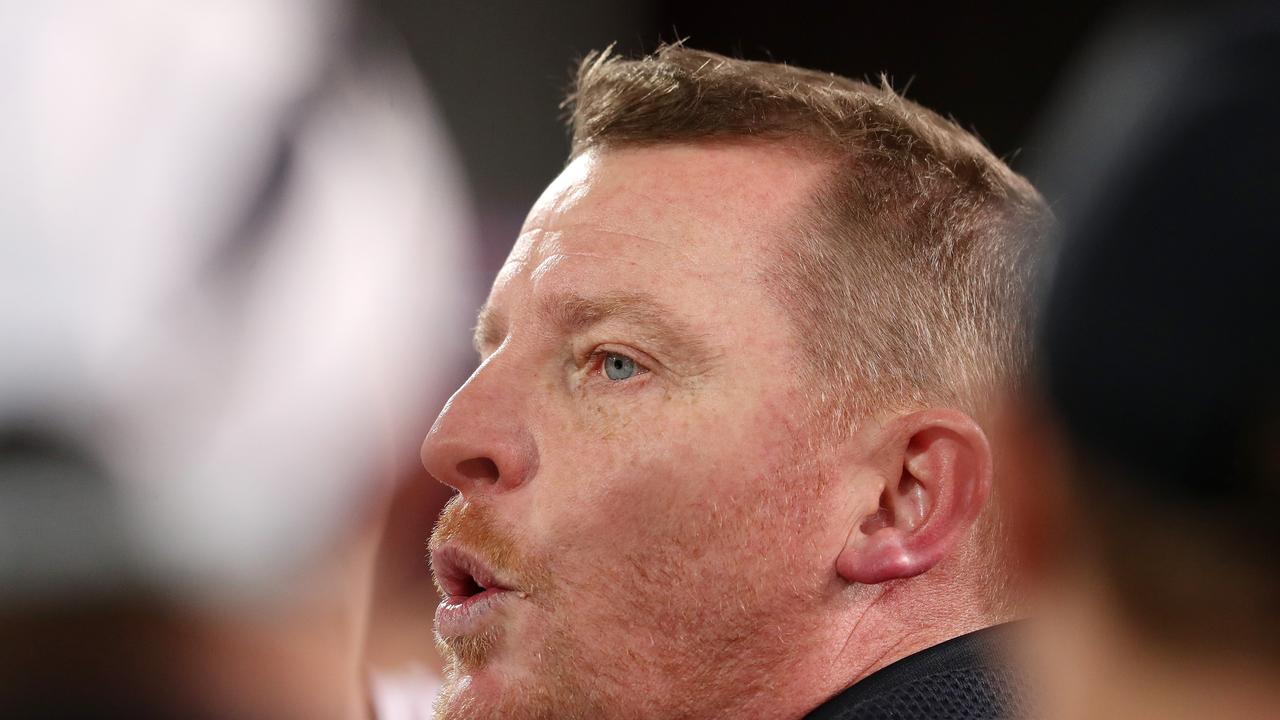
{"points": [[908, 275]]}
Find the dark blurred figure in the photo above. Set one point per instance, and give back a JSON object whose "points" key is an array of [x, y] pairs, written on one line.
{"points": [[232, 259], [1157, 536]]}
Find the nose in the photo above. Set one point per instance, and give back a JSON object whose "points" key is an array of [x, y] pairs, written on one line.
{"points": [[481, 443]]}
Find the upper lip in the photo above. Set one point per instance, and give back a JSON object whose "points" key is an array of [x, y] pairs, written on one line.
{"points": [[461, 573]]}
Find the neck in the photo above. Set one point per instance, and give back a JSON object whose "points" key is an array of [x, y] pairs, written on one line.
{"points": [[879, 626], [902, 619]]}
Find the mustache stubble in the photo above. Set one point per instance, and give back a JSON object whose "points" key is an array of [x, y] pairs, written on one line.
{"points": [[472, 526]]}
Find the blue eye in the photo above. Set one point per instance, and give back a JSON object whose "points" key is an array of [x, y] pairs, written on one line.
{"points": [[619, 367]]}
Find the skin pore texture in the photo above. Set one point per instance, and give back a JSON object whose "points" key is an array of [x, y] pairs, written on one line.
{"points": [[637, 466]]}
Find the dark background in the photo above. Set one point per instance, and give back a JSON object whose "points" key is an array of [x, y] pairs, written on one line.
{"points": [[498, 70]]}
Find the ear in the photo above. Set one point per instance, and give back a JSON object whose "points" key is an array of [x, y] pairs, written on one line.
{"points": [[934, 470]]}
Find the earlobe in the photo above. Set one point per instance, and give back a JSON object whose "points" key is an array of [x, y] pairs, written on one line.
{"points": [[935, 478], [882, 556]]}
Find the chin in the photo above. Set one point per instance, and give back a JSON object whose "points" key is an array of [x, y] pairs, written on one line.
{"points": [[469, 695], [480, 679], [506, 687], [488, 692]]}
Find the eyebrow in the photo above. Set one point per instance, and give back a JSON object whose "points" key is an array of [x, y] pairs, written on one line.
{"points": [[574, 314]]}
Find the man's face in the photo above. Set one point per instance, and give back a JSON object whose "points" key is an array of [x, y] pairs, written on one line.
{"points": [[640, 529]]}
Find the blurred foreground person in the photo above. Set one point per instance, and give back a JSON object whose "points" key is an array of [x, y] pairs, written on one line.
{"points": [[726, 452], [1160, 562], [228, 280]]}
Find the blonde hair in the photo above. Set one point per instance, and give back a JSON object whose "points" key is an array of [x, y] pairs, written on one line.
{"points": [[909, 274]]}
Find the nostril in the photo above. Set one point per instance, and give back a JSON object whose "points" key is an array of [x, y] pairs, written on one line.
{"points": [[479, 469]]}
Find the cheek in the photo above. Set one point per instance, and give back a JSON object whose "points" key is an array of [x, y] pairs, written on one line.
{"points": [[630, 444], [714, 467], [609, 497], [680, 491]]}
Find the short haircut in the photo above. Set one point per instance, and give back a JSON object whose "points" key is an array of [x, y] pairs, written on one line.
{"points": [[908, 275]]}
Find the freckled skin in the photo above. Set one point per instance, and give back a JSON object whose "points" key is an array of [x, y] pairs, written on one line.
{"points": [[682, 522]]}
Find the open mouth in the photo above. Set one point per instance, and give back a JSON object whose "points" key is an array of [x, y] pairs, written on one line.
{"points": [[461, 575], [470, 588]]}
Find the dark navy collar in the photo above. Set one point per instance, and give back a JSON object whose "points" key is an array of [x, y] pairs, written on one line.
{"points": [[965, 678]]}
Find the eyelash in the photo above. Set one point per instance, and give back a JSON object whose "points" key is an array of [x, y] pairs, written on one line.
{"points": [[595, 365]]}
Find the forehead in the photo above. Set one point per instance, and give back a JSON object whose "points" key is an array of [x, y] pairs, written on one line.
{"points": [[674, 220]]}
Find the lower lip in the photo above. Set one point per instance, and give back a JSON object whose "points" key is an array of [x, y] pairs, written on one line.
{"points": [[458, 616]]}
